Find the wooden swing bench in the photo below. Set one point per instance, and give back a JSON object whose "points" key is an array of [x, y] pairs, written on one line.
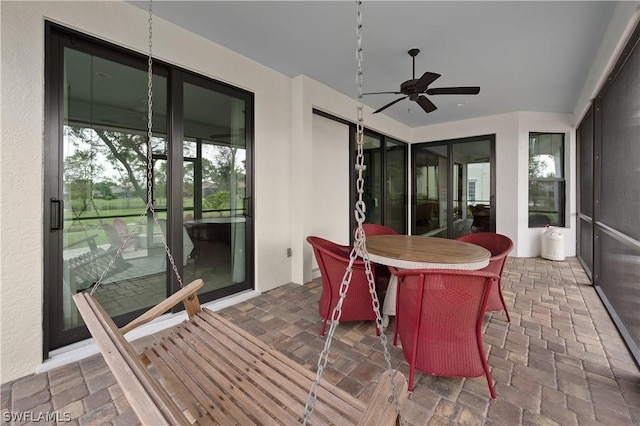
{"points": [[86, 268], [209, 371]]}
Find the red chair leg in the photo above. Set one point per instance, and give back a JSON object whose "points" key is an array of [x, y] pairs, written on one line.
{"points": [[324, 325], [504, 305], [412, 369], [483, 356]]}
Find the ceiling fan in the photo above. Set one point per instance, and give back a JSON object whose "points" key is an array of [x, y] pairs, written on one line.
{"points": [[415, 89]]}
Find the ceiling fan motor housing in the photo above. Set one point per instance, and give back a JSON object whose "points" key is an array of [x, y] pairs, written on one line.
{"points": [[409, 87]]}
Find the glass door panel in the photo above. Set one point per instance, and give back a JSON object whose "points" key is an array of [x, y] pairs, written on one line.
{"points": [[396, 186], [372, 195], [472, 187], [215, 126], [385, 181], [430, 174], [104, 190], [453, 187]]}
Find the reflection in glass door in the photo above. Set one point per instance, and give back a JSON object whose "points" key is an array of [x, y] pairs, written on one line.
{"points": [[215, 135], [385, 181], [454, 187], [473, 187], [372, 195], [97, 183], [430, 173], [395, 201], [103, 191]]}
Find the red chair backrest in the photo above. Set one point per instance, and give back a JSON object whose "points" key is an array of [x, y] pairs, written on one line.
{"points": [[120, 226], [333, 259], [499, 245], [375, 229], [439, 318], [329, 248]]}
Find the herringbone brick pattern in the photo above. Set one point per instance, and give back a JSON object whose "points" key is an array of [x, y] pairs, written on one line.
{"points": [[560, 361]]}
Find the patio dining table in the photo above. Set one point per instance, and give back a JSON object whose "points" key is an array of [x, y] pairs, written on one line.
{"points": [[417, 252]]}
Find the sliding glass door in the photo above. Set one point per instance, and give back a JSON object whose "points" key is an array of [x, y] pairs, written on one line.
{"points": [[385, 181], [453, 187], [97, 183]]}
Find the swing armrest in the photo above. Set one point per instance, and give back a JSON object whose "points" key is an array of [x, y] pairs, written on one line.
{"points": [[188, 295], [381, 408]]}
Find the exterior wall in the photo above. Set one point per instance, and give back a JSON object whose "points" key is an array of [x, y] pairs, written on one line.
{"points": [[512, 159], [307, 95], [22, 150], [284, 153]]}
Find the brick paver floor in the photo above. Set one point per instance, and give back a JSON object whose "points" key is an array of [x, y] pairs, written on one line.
{"points": [[560, 361]]}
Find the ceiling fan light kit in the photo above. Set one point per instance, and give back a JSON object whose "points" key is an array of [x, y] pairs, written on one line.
{"points": [[416, 89]]}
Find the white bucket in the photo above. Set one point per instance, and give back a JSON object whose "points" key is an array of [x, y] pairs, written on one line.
{"points": [[552, 244]]}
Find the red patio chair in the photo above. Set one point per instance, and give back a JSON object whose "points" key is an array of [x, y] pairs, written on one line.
{"points": [[500, 246], [375, 229], [333, 260], [123, 233], [439, 321]]}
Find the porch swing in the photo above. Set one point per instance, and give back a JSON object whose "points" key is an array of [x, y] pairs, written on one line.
{"points": [[206, 370]]}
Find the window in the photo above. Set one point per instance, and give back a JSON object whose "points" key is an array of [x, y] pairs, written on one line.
{"points": [[471, 190], [546, 179]]}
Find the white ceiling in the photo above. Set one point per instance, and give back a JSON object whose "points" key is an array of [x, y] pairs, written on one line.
{"points": [[525, 55]]}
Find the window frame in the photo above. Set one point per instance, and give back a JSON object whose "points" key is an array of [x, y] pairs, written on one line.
{"points": [[559, 180]]}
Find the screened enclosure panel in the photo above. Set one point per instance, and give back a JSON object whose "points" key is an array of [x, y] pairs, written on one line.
{"points": [[585, 248], [586, 165], [617, 196], [620, 202], [620, 278]]}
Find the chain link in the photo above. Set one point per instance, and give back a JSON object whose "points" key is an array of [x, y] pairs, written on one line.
{"points": [[149, 207], [359, 249]]}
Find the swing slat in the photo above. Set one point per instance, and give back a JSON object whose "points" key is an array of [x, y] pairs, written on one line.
{"points": [[213, 372], [148, 399]]}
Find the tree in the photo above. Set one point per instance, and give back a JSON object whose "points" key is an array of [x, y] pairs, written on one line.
{"points": [[128, 152], [103, 189], [125, 152], [222, 168], [80, 172], [226, 174], [220, 200]]}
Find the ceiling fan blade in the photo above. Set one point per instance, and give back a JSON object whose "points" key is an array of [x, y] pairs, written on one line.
{"points": [[471, 90], [426, 79], [426, 104], [383, 93], [389, 104]]}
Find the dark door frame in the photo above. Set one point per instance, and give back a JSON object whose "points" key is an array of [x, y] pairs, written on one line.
{"points": [[56, 39], [450, 143]]}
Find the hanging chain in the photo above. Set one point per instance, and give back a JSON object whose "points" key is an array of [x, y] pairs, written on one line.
{"points": [[149, 207], [360, 246], [359, 249]]}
